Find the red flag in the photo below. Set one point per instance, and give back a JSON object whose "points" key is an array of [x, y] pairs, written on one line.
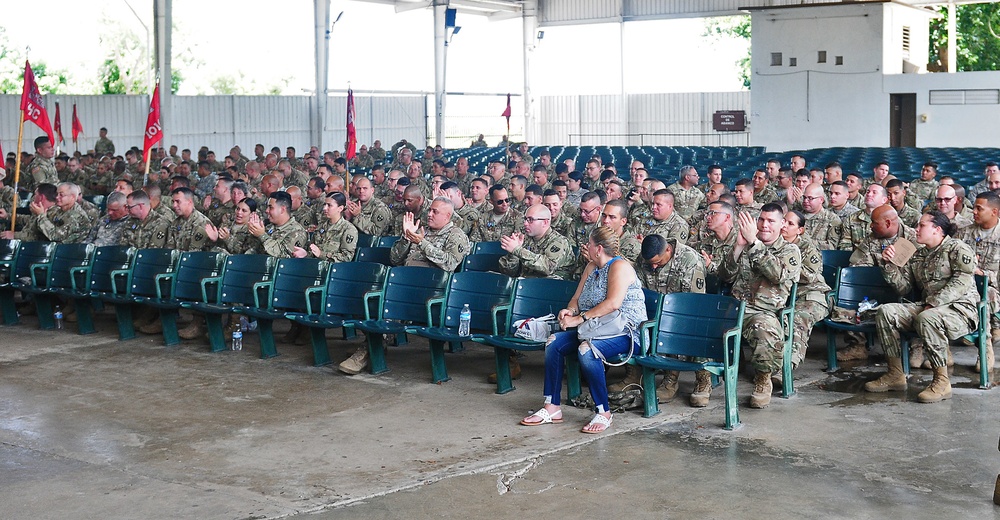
{"points": [[352, 134], [154, 132], [506, 113], [77, 126], [58, 125], [32, 104]]}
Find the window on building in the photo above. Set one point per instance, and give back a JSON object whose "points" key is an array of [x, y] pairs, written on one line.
{"points": [[776, 59], [906, 42], [793, 62], [821, 57], [839, 60]]}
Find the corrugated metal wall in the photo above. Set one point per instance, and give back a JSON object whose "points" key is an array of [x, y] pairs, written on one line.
{"points": [[680, 119], [562, 12], [219, 122]]}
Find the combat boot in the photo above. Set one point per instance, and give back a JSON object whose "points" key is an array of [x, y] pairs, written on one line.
{"points": [[761, 396], [855, 352], [153, 327], [939, 389], [916, 355], [894, 379], [195, 330], [668, 387], [356, 363], [989, 352], [702, 389], [515, 372], [633, 376]]}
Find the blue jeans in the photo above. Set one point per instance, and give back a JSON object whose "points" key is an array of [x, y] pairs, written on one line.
{"points": [[567, 343]]}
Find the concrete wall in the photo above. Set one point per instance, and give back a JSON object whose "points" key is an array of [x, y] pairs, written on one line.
{"points": [[970, 124]]}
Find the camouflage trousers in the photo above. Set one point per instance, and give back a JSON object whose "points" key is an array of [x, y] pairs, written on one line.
{"points": [[807, 314], [763, 333], [993, 296], [935, 326]]}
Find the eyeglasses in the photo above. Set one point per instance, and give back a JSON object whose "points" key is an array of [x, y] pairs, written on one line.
{"points": [[943, 199], [805, 199], [532, 220], [128, 207], [501, 201], [589, 211], [712, 213]]}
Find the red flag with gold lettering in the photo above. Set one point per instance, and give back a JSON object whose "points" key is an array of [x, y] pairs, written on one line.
{"points": [[154, 132], [77, 125], [58, 125], [352, 133], [32, 104]]}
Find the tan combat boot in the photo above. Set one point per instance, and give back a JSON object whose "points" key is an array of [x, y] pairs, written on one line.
{"points": [[515, 372], [195, 330], [633, 376], [894, 379], [761, 396], [939, 389], [668, 387], [994, 336], [855, 352], [702, 389], [356, 363]]}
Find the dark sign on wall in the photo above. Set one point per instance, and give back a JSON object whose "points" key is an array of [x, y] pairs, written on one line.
{"points": [[729, 121]]}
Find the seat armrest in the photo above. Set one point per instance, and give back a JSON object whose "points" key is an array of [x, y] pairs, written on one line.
{"points": [[210, 281], [431, 303], [123, 275], [75, 272], [370, 297], [267, 288], [315, 296], [35, 268], [163, 281]]}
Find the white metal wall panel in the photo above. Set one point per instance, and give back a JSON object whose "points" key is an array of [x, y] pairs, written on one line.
{"points": [[603, 120], [113, 112], [387, 118], [280, 121], [563, 12], [558, 117], [555, 12]]}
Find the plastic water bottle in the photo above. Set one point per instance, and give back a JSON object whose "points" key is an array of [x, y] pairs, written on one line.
{"points": [[58, 317], [862, 307], [464, 319], [237, 339]]}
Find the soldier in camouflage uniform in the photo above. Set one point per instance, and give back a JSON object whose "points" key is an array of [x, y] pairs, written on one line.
{"points": [[898, 194], [822, 226], [363, 159], [923, 189], [465, 217], [811, 304], [944, 271], [66, 222], [745, 203], [762, 268], [614, 216], [562, 222], [687, 196], [858, 226], [104, 146], [376, 151], [234, 237], [43, 201], [720, 238], [665, 220], [41, 169], [283, 234], [763, 191], [590, 218], [145, 228], [189, 231], [667, 266], [945, 203], [369, 215], [220, 206], [304, 215], [337, 240], [108, 230], [538, 253], [413, 202], [501, 221], [438, 244], [983, 236]]}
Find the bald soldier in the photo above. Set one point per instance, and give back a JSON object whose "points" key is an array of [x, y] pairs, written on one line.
{"points": [[440, 244], [944, 201], [539, 252], [369, 214], [822, 226]]}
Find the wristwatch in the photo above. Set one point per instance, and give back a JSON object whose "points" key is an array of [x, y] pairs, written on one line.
{"points": [[584, 315]]}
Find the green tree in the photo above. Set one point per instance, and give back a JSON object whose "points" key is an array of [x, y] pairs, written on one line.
{"points": [[978, 38], [50, 81], [737, 27]]}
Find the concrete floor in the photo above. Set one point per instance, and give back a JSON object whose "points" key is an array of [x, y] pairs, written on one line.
{"points": [[91, 427]]}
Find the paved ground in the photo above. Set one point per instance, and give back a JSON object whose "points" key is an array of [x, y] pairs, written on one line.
{"points": [[91, 427]]}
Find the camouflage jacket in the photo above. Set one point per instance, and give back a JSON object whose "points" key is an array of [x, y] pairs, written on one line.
{"points": [[920, 191], [146, 234], [281, 241], [686, 201], [490, 230], [107, 232], [944, 274], [70, 227], [812, 286], [673, 227], [548, 256], [856, 230], [337, 242], [986, 244], [685, 272], [465, 218], [869, 252], [188, 234], [375, 218], [397, 221], [763, 275], [824, 229], [444, 249], [909, 216], [717, 248]]}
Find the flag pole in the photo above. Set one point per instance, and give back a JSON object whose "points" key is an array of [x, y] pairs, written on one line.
{"points": [[17, 173]]}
